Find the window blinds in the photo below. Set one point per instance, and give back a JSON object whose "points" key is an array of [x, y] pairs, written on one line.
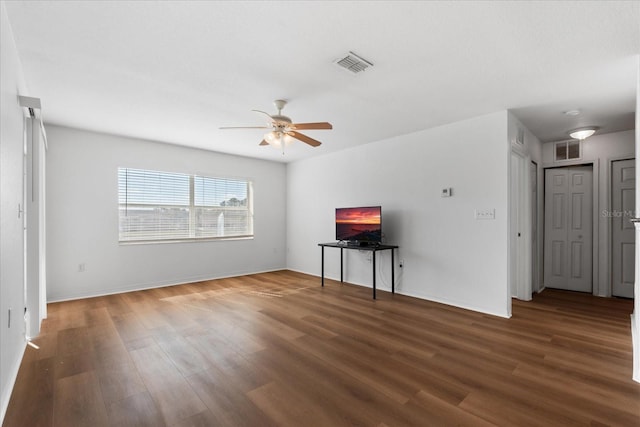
{"points": [[157, 205]]}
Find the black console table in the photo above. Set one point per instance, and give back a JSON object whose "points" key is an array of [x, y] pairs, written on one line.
{"points": [[370, 248]]}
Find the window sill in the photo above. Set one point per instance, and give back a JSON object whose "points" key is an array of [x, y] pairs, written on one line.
{"points": [[200, 240]]}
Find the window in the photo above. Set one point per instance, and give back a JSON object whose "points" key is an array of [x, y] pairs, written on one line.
{"points": [[160, 206], [567, 150]]}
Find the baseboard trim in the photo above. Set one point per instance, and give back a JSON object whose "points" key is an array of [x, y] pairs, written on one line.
{"points": [[154, 285], [413, 295], [13, 376], [457, 304]]}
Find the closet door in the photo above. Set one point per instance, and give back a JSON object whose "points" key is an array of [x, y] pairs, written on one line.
{"points": [[569, 228], [623, 233]]}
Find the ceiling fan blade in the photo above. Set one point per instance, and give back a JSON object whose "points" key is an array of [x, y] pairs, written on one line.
{"points": [[245, 127], [319, 125], [263, 142], [304, 138], [266, 114]]}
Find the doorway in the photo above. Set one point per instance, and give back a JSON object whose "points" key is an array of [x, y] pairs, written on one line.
{"points": [[568, 247], [623, 202]]}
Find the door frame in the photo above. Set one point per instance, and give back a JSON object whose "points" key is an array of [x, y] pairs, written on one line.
{"points": [[606, 287], [595, 243]]}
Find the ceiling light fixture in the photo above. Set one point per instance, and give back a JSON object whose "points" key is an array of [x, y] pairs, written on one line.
{"points": [[572, 112], [278, 139], [583, 133]]}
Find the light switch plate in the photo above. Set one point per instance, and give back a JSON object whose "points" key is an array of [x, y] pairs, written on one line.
{"points": [[485, 213]]}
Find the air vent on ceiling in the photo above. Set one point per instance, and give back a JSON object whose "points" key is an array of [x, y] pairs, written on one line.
{"points": [[353, 63]]}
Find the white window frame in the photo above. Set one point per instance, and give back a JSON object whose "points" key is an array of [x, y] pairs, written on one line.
{"points": [[192, 208]]}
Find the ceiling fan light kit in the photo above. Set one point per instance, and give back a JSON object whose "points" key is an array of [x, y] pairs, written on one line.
{"points": [[278, 139], [283, 130]]}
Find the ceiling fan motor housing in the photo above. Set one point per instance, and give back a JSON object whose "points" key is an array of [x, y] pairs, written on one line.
{"points": [[280, 118]]}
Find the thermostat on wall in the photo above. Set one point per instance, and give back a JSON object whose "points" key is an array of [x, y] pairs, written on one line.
{"points": [[446, 192]]}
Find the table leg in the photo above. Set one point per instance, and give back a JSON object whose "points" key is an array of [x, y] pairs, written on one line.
{"points": [[322, 266], [341, 258], [374, 274], [393, 282]]}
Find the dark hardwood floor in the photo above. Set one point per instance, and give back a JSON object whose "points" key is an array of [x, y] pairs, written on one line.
{"points": [[277, 349]]}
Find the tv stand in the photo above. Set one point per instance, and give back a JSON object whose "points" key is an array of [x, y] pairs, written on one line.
{"points": [[367, 247]]}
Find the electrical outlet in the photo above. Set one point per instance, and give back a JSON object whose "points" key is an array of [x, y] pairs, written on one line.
{"points": [[81, 267]]}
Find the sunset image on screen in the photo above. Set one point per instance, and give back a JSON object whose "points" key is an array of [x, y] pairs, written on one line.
{"points": [[358, 216], [360, 224]]}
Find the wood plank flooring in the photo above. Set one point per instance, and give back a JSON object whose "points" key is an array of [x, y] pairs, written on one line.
{"points": [[276, 349]]}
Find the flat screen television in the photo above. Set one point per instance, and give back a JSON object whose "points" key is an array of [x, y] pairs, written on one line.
{"points": [[360, 224]]}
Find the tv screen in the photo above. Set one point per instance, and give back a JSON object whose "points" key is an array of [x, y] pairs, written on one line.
{"points": [[361, 224]]}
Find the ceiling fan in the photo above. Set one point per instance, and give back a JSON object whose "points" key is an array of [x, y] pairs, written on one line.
{"points": [[283, 130]]}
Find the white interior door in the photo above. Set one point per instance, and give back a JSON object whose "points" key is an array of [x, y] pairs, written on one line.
{"points": [[623, 202], [519, 220], [569, 228], [514, 224], [35, 289], [533, 182]]}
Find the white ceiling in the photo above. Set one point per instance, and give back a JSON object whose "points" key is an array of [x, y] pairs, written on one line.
{"points": [[177, 71]]}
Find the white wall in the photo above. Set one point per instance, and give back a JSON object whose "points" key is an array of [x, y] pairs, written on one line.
{"points": [[532, 145], [449, 256], [82, 217], [601, 150], [12, 339]]}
